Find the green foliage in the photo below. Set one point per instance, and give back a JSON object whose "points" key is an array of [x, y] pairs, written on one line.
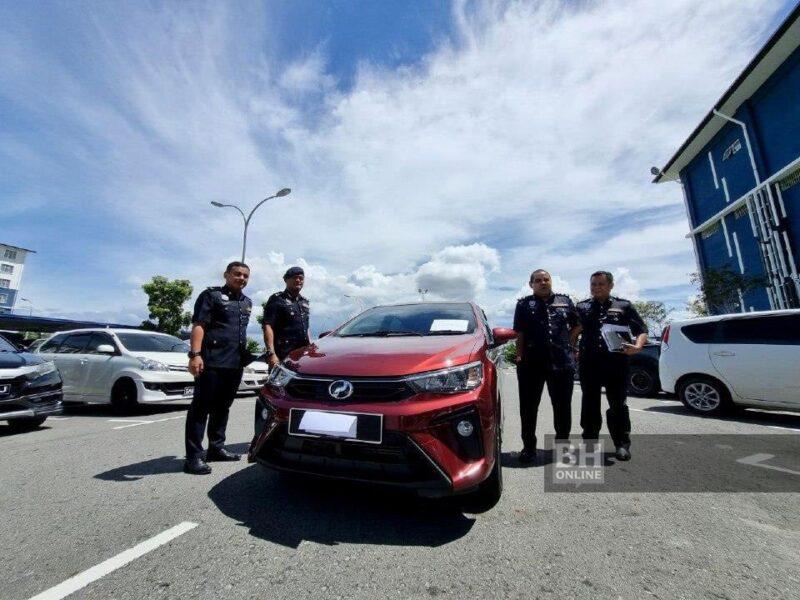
{"points": [[655, 314], [253, 346], [510, 352], [165, 304], [260, 318], [719, 290]]}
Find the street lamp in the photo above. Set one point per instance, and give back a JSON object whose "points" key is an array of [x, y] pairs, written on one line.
{"points": [[30, 308], [280, 194]]}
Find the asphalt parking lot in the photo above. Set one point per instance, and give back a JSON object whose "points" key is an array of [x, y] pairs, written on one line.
{"points": [[98, 504]]}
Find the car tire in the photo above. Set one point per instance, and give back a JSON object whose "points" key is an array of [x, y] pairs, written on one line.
{"points": [[489, 492], [643, 382], [124, 397], [26, 424], [705, 395]]}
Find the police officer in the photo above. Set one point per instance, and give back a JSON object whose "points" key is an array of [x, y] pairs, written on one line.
{"points": [[218, 353], [545, 323], [286, 318], [600, 367]]}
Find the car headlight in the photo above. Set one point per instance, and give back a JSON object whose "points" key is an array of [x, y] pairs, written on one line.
{"points": [[149, 364], [41, 370], [279, 376], [449, 381]]}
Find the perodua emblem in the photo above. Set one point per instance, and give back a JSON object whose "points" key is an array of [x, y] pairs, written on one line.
{"points": [[340, 389]]}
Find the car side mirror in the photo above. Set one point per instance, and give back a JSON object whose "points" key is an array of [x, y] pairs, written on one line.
{"points": [[324, 333], [502, 335], [106, 349]]}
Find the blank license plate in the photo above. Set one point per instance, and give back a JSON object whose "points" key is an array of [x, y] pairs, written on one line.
{"points": [[345, 426]]}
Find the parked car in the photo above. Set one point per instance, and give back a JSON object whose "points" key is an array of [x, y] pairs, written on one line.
{"points": [[254, 377], [401, 395], [643, 379], [30, 387], [124, 367], [717, 363]]}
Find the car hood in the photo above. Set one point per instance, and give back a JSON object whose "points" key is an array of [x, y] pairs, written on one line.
{"points": [[383, 357], [14, 360], [177, 359]]}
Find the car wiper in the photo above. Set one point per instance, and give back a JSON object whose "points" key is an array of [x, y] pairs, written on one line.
{"points": [[448, 332], [383, 333]]}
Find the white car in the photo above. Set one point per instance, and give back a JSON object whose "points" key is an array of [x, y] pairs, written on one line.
{"points": [[254, 377], [750, 359], [123, 367]]}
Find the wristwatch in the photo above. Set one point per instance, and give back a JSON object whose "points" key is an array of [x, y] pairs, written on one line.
{"points": [[268, 352], [192, 354]]}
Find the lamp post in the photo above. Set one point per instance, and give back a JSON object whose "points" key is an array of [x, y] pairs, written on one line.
{"points": [[30, 308], [246, 219]]}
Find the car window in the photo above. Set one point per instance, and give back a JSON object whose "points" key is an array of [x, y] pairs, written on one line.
{"points": [[152, 342], [74, 344], [53, 343], [98, 339], [774, 329], [6, 346], [700, 333]]}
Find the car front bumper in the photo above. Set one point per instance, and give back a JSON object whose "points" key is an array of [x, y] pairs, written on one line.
{"points": [[38, 403], [160, 386]]}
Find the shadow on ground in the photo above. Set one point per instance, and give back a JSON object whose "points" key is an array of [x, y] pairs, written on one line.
{"points": [[106, 410], [7, 430], [155, 466], [510, 460], [287, 510], [750, 416]]}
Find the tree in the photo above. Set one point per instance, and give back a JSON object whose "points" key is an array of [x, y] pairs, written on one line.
{"points": [[253, 347], [165, 303], [720, 289], [655, 314], [510, 352]]}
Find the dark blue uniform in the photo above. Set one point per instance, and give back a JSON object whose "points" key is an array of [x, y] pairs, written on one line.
{"points": [[601, 368], [289, 317], [224, 316], [547, 358]]}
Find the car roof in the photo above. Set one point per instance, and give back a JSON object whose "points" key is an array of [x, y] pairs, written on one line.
{"points": [[745, 315]]}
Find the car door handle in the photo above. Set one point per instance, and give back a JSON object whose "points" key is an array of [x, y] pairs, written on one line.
{"points": [[724, 353]]}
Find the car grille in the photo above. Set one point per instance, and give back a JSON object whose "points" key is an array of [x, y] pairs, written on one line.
{"points": [[395, 461], [372, 390], [12, 387]]}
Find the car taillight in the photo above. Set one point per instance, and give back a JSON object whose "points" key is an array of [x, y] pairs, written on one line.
{"points": [[665, 336]]}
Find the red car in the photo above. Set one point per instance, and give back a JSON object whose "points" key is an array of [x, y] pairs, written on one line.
{"points": [[401, 395]]}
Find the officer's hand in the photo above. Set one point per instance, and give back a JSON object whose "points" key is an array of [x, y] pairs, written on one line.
{"points": [[518, 359], [196, 366], [631, 349], [273, 360]]}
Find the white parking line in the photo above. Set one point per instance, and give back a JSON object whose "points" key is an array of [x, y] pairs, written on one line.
{"points": [[81, 580], [137, 423]]}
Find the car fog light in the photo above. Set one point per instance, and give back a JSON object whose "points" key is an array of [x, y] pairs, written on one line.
{"points": [[264, 413], [465, 428]]}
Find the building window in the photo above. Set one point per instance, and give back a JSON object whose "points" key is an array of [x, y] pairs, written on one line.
{"points": [[6, 268], [707, 233], [10, 254], [3, 298], [5, 283]]}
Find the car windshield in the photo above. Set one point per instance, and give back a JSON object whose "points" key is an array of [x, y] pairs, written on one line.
{"points": [[152, 342], [6, 346], [412, 320]]}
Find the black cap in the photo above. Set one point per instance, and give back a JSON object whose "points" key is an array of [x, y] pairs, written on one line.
{"points": [[294, 272]]}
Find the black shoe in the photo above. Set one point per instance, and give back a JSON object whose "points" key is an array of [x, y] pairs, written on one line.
{"points": [[196, 466], [622, 453], [221, 455], [527, 456]]}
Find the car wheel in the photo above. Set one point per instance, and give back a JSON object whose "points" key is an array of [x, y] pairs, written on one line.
{"points": [[26, 424], [642, 382], [124, 397], [704, 395], [488, 493]]}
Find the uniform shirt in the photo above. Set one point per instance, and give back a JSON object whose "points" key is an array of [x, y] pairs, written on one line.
{"points": [[545, 324], [288, 316], [224, 317], [614, 311]]}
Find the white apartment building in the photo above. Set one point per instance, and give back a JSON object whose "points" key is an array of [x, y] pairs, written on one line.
{"points": [[12, 262]]}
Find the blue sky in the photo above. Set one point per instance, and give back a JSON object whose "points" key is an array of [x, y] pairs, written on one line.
{"points": [[452, 146]]}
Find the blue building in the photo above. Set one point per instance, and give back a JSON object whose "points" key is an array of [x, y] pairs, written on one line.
{"points": [[740, 174]]}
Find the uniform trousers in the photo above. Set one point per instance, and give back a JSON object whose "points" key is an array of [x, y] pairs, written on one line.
{"points": [[214, 391], [531, 377], [609, 371]]}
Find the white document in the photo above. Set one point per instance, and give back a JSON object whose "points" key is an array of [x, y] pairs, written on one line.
{"points": [[450, 325], [327, 423]]}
